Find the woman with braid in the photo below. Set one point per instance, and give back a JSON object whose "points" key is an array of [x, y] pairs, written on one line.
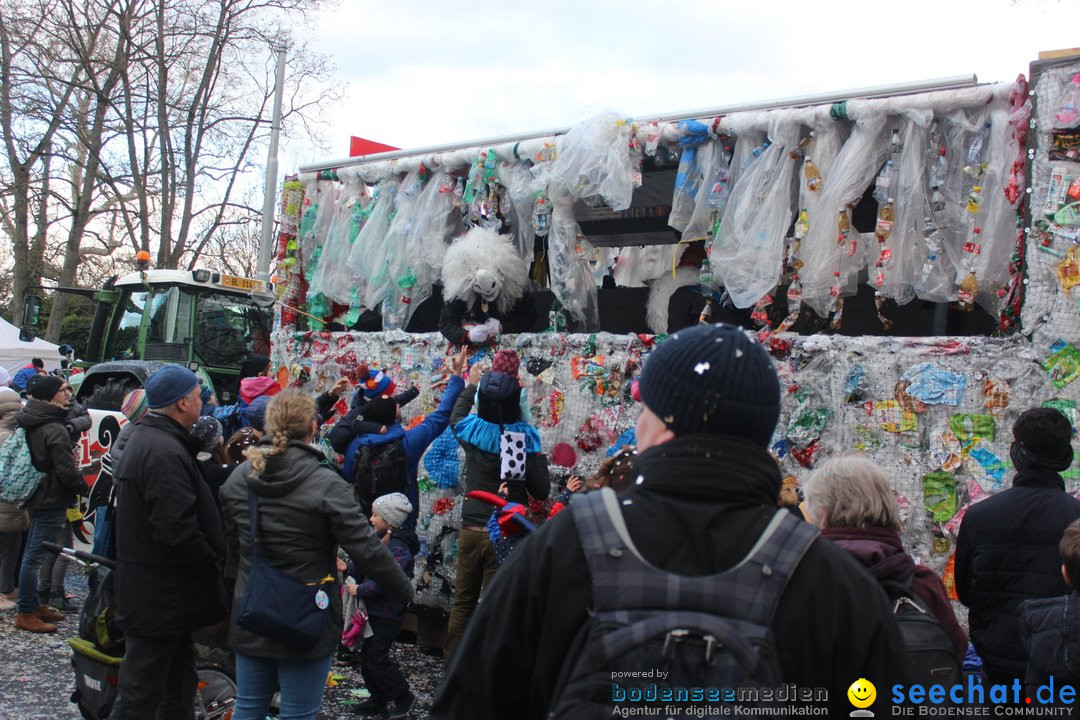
{"points": [[305, 512]]}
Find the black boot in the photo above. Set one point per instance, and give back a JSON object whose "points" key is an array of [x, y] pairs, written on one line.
{"points": [[371, 706]]}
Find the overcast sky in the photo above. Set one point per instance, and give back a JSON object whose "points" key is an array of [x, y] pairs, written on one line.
{"points": [[418, 73]]}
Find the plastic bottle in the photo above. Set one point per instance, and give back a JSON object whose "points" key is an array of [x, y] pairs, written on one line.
{"points": [[895, 144], [883, 184], [1067, 114], [705, 277], [843, 225], [886, 218], [939, 167], [813, 175], [937, 199], [718, 193], [802, 225], [541, 218], [969, 287], [975, 152], [973, 199]]}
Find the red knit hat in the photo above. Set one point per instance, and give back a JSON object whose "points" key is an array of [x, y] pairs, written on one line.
{"points": [[506, 361]]}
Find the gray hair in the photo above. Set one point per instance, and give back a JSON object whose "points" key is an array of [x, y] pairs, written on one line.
{"points": [[851, 491]]}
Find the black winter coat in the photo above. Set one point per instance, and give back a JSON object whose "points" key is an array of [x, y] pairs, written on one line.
{"points": [[306, 511], [53, 452], [169, 540], [520, 318], [1007, 552], [700, 507], [1050, 633], [483, 470]]}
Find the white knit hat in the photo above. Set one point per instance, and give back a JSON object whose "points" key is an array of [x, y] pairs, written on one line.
{"points": [[392, 508]]}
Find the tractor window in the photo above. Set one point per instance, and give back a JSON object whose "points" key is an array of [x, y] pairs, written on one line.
{"points": [[229, 328], [123, 342], [170, 316]]}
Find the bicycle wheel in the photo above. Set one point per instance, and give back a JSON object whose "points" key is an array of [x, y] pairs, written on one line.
{"points": [[216, 694]]}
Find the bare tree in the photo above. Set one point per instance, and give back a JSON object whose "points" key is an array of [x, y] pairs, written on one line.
{"points": [[194, 106], [135, 124], [36, 87]]}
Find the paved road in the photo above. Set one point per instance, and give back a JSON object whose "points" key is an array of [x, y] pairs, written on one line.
{"points": [[36, 678]]}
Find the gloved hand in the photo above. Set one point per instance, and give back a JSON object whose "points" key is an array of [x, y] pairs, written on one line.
{"points": [[479, 334], [494, 327], [78, 420]]}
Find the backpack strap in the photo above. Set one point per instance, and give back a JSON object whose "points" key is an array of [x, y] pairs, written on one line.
{"points": [[623, 579]]}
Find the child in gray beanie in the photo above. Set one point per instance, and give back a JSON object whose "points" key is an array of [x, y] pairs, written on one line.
{"points": [[388, 686]]}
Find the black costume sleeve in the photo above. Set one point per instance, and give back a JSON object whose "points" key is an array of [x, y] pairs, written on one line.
{"points": [[450, 319]]}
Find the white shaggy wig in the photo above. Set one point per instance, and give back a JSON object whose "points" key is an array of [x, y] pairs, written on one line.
{"points": [[484, 249], [660, 292]]}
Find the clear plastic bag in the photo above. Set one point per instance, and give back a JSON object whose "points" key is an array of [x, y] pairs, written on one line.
{"points": [[855, 167], [368, 257], [749, 250], [594, 159], [997, 219], [637, 265], [329, 193], [954, 223], [435, 223], [571, 277], [522, 187], [689, 180], [714, 194], [400, 279], [333, 277], [904, 249]]}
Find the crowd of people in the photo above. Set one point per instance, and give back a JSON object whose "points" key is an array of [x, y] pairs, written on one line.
{"points": [[685, 551]]}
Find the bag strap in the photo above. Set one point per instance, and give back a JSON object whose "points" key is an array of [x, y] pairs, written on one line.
{"points": [[253, 518]]}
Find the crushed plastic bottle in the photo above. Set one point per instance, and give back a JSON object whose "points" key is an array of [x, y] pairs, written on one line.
{"points": [[718, 193], [813, 175], [883, 184], [975, 152]]}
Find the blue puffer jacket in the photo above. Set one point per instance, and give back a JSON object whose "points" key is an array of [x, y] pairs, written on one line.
{"points": [[414, 442]]}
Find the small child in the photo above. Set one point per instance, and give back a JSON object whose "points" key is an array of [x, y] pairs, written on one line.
{"points": [[1050, 627], [373, 386], [388, 687]]}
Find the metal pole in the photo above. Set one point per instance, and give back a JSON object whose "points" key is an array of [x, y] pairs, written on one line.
{"points": [[266, 242], [908, 88]]}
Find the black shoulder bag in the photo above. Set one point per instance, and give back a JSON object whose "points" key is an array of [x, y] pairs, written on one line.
{"points": [[277, 605]]}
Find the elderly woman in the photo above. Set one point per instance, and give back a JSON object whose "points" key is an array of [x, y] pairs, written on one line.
{"points": [[851, 500]]}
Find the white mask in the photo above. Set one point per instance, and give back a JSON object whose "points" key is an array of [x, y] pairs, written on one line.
{"points": [[486, 285]]}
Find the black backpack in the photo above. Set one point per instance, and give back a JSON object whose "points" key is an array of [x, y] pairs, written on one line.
{"points": [[931, 653], [379, 470], [712, 631]]}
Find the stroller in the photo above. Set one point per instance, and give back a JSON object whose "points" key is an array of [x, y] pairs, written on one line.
{"points": [[99, 649]]}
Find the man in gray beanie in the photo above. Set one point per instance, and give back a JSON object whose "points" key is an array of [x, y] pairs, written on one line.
{"points": [[169, 550], [1007, 547], [704, 500]]}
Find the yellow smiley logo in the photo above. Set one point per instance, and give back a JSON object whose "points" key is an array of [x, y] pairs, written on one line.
{"points": [[862, 693]]}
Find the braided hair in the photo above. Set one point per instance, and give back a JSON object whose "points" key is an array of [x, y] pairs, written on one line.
{"points": [[288, 418]]}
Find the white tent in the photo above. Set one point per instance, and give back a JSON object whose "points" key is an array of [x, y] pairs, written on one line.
{"points": [[15, 354]]}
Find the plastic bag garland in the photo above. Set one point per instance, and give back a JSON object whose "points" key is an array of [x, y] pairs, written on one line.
{"points": [[749, 250], [592, 159]]}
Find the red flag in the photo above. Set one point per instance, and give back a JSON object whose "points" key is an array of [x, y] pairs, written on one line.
{"points": [[360, 146]]}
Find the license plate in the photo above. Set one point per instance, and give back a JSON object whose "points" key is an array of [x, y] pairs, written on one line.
{"points": [[239, 282]]}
